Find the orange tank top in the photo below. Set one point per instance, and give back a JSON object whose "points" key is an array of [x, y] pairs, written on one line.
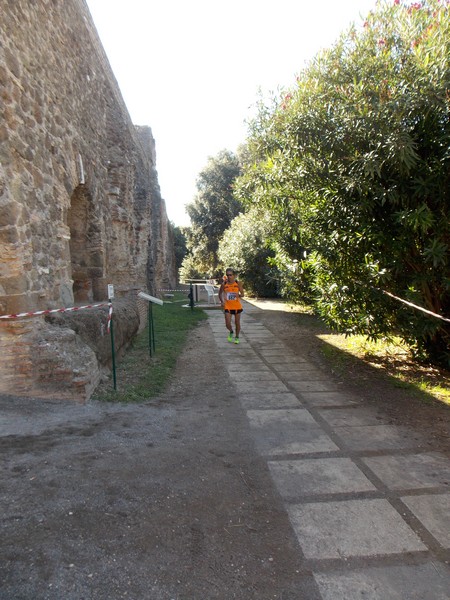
{"points": [[231, 292]]}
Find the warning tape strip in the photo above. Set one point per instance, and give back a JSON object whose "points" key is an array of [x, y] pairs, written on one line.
{"points": [[108, 327], [421, 308], [55, 310], [185, 290]]}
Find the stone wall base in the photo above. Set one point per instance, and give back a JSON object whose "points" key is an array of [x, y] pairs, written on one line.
{"points": [[64, 355]]}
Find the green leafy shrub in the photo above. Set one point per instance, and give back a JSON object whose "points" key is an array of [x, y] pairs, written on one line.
{"points": [[245, 247], [354, 164]]}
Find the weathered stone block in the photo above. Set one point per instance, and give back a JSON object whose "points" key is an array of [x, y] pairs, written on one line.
{"points": [[9, 213]]}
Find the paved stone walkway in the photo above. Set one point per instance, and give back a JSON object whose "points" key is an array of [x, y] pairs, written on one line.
{"points": [[370, 508]]}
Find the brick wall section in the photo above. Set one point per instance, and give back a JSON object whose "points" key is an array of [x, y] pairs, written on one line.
{"points": [[80, 205]]}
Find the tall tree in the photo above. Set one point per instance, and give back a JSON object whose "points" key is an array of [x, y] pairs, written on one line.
{"points": [[355, 162], [245, 247], [179, 239], [212, 210]]}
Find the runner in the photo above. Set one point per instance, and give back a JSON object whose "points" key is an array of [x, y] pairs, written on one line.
{"points": [[230, 293]]}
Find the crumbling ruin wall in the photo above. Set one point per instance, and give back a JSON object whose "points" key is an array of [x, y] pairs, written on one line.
{"points": [[80, 205]]}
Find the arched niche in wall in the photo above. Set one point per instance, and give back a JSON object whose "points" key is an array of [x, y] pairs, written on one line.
{"points": [[86, 255]]}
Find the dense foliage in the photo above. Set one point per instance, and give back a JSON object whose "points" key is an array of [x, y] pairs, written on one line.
{"points": [[354, 166], [245, 247], [179, 240], [211, 213]]}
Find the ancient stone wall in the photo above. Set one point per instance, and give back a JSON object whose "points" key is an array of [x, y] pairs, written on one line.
{"points": [[80, 205]]}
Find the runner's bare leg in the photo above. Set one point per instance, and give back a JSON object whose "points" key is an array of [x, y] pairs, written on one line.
{"points": [[228, 324], [237, 319]]}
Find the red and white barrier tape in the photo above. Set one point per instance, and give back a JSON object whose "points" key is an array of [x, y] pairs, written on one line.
{"points": [[421, 308], [109, 317], [56, 310]]}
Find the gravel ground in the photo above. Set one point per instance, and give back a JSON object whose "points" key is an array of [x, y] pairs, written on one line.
{"points": [[153, 501], [163, 500]]}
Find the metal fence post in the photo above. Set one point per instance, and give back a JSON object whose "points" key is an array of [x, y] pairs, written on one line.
{"points": [[151, 329], [113, 352]]}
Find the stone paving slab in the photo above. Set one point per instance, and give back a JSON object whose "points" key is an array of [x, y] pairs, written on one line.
{"points": [[404, 582], [222, 341], [288, 432], [352, 528], [226, 346], [255, 332], [275, 352], [265, 386], [293, 369], [296, 478], [261, 331], [262, 418], [317, 399], [276, 344], [269, 346], [339, 513], [411, 471], [434, 513], [303, 375], [282, 359], [257, 336], [232, 362], [268, 400], [239, 357], [268, 342], [249, 368], [377, 437], [320, 385], [353, 417], [248, 376], [329, 399], [261, 343]]}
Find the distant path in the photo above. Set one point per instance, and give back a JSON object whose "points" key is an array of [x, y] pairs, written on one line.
{"points": [[368, 500]]}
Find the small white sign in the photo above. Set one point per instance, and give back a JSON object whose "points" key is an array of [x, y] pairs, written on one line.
{"points": [[150, 298], [110, 291]]}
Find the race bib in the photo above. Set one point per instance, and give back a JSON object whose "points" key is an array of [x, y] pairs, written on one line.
{"points": [[232, 296]]}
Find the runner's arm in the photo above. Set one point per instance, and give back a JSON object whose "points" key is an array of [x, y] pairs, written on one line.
{"points": [[220, 294]]}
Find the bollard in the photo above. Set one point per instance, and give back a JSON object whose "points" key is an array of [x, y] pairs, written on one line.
{"points": [[191, 296]]}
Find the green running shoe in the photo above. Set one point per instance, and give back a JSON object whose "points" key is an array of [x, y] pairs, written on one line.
{"points": [[230, 336], [236, 340]]}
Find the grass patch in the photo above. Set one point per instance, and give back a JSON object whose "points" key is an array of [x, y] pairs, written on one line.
{"points": [[141, 377], [392, 357]]}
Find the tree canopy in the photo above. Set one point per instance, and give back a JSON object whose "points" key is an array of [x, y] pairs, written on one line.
{"points": [[353, 164], [212, 210], [179, 239], [245, 247]]}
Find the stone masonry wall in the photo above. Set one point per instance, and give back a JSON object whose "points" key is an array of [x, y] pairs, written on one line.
{"points": [[80, 205]]}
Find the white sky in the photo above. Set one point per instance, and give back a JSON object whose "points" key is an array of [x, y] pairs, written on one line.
{"points": [[191, 69]]}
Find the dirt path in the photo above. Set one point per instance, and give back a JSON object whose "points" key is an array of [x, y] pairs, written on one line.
{"points": [[183, 497]]}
